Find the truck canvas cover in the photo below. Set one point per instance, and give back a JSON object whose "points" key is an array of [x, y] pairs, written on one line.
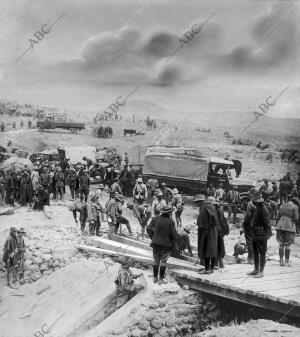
{"points": [[176, 166]]}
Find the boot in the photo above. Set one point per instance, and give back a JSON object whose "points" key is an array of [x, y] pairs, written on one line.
{"points": [[256, 268], [162, 275], [281, 250], [287, 256], [155, 273]]}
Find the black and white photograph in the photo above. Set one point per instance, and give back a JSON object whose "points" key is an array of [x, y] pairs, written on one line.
{"points": [[149, 168]]}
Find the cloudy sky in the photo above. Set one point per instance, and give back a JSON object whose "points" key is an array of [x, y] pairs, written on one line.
{"points": [[245, 51]]}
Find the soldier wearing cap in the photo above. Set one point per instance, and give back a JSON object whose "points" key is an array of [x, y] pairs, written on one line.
{"points": [[10, 257], [115, 187], [258, 231], [93, 209], [158, 203], [126, 288], [140, 191], [163, 235], [84, 185], [60, 183], [233, 198]]}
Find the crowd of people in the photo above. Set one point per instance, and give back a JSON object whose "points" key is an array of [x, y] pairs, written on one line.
{"points": [[158, 210]]}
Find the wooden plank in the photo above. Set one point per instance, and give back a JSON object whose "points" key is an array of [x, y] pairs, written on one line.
{"points": [[260, 283], [286, 292], [233, 294], [244, 280], [145, 245], [121, 248], [172, 263]]}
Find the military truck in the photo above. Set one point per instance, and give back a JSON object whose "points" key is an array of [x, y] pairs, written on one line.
{"points": [[58, 121], [190, 172]]}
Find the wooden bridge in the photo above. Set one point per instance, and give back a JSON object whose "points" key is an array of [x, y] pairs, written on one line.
{"points": [[278, 290]]}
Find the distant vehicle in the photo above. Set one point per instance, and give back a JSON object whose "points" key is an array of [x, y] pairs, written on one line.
{"points": [[190, 172], [58, 121]]}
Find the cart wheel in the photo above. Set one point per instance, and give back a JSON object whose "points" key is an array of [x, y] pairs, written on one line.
{"points": [[169, 195]]}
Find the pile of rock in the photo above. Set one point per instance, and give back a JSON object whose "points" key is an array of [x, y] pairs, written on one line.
{"points": [[173, 314], [40, 260]]}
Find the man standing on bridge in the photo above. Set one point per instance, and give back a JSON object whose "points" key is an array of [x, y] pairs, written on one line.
{"points": [[163, 235], [257, 228]]}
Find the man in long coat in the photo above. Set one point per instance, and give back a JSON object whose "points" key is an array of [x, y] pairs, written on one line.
{"points": [[26, 191], [10, 257], [208, 234]]}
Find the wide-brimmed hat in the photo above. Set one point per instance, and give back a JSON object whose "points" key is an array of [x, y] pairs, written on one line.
{"points": [[199, 197], [101, 186], [257, 197], [167, 209], [22, 230], [163, 184], [175, 190], [13, 230], [139, 180]]}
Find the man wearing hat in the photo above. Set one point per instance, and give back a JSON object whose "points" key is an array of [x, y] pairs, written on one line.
{"points": [[258, 230], [208, 234], [163, 235], [72, 180], [126, 288], [60, 183], [120, 219], [166, 192], [286, 186], [10, 257], [84, 184], [183, 241], [233, 198], [177, 203], [115, 187], [142, 213], [158, 203], [140, 191], [286, 228], [93, 209]]}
